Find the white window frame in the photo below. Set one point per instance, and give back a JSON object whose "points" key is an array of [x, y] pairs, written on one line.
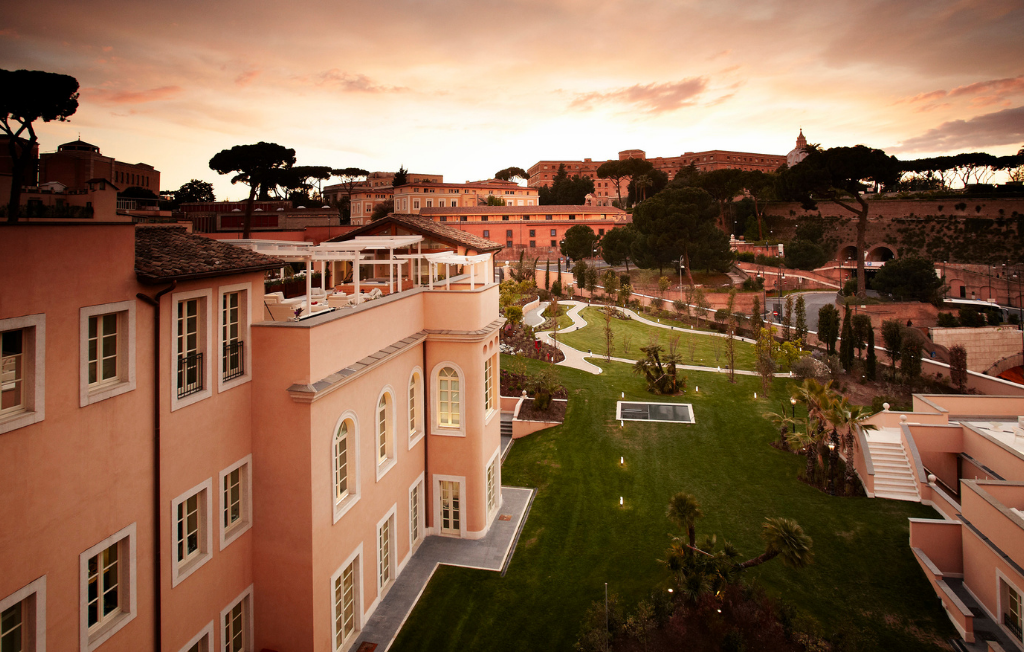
{"points": [[207, 633], [489, 402], [126, 345], [205, 343], [36, 629], [247, 623], [382, 588], [229, 534], [493, 467], [244, 333], [436, 506], [355, 558], [435, 401], [34, 379], [420, 516], [128, 541], [181, 571], [352, 461], [417, 434], [390, 459]]}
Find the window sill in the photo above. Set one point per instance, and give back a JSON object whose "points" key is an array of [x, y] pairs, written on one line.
{"points": [[181, 572], [100, 636], [442, 431], [105, 391], [383, 468], [179, 403], [19, 419], [340, 509], [225, 385], [490, 416], [416, 438], [229, 535]]}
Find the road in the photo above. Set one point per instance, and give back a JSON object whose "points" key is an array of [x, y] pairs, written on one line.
{"points": [[813, 300]]}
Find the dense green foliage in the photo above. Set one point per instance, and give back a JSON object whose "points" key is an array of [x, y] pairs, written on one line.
{"points": [[566, 190], [578, 242], [909, 278], [679, 222]]}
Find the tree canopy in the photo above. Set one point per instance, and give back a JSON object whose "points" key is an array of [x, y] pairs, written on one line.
{"points": [[909, 277], [255, 166], [646, 185], [579, 242], [194, 191], [615, 172], [401, 177], [27, 96], [679, 222], [617, 244], [508, 174], [566, 190], [348, 178], [839, 175], [723, 186], [382, 209]]}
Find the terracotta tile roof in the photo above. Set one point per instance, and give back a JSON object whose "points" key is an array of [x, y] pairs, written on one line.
{"points": [[524, 210], [426, 227], [169, 253]]}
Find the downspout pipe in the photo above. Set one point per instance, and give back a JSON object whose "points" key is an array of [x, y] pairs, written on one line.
{"points": [[427, 509], [157, 562]]}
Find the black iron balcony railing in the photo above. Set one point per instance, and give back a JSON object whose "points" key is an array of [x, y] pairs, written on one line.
{"points": [[233, 360], [190, 374], [1013, 624]]}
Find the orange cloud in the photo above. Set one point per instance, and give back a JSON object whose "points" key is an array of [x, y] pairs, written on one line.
{"points": [[1004, 127], [247, 77], [1000, 87], [354, 83], [105, 96], [652, 98]]}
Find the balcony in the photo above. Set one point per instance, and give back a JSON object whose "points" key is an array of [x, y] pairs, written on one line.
{"points": [[190, 374], [233, 360]]}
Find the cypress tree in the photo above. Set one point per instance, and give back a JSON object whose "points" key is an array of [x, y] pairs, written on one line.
{"points": [[756, 322], [801, 320], [846, 342], [547, 276], [872, 363]]}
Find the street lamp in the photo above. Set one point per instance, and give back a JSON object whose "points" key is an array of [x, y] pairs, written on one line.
{"points": [[792, 401], [682, 266]]}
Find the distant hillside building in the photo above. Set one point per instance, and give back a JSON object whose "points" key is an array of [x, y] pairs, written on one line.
{"points": [[74, 164], [542, 173], [422, 194]]}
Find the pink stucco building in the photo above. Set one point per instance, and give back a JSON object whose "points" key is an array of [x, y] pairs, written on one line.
{"points": [[180, 473], [963, 455]]}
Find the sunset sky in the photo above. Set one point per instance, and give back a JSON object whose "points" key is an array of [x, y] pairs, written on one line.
{"points": [[465, 88]]}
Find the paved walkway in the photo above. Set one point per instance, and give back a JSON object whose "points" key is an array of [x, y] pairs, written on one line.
{"points": [[492, 553], [534, 317], [577, 359]]}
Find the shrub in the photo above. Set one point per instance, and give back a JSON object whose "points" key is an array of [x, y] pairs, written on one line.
{"points": [[656, 303], [958, 367], [745, 257], [994, 317], [971, 318], [947, 320], [514, 314], [808, 367], [910, 359], [1014, 320], [850, 287], [753, 283]]}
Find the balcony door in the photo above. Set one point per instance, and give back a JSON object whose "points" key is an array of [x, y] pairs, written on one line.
{"points": [[451, 509]]}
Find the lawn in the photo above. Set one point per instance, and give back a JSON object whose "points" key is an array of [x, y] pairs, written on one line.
{"points": [[563, 319], [591, 338], [864, 580]]}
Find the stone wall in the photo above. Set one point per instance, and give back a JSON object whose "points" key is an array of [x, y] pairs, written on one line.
{"points": [[958, 229], [985, 346]]}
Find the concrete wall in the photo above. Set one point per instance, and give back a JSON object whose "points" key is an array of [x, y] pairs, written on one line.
{"points": [[985, 346]]}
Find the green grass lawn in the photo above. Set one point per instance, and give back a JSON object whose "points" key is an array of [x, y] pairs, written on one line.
{"points": [[563, 319], [591, 338], [864, 579]]}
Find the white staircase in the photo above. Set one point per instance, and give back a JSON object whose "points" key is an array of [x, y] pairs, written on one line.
{"points": [[893, 478]]}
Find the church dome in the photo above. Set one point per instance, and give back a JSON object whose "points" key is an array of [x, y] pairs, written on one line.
{"points": [[798, 153]]}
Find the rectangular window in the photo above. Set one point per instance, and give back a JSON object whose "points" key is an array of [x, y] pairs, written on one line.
{"points": [[533, 243], [504, 218], [384, 549], [600, 232], [1013, 616], [508, 233], [235, 501], [490, 488], [22, 616], [232, 358], [430, 202], [526, 218], [554, 243], [108, 587], [483, 218], [488, 387], [103, 346], [553, 233], [236, 621], [508, 243], [190, 357], [547, 217], [416, 204], [344, 605], [414, 513], [487, 233], [463, 218], [533, 232], [12, 372], [190, 534]]}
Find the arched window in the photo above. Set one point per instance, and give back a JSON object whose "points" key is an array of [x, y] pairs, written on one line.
{"points": [[414, 390], [448, 397], [341, 455], [383, 430]]}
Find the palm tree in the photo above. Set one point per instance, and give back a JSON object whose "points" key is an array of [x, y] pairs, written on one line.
{"points": [[684, 510], [783, 537], [846, 418]]}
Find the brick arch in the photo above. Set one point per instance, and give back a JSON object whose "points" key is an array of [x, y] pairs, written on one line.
{"points": [[881, 253]]}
